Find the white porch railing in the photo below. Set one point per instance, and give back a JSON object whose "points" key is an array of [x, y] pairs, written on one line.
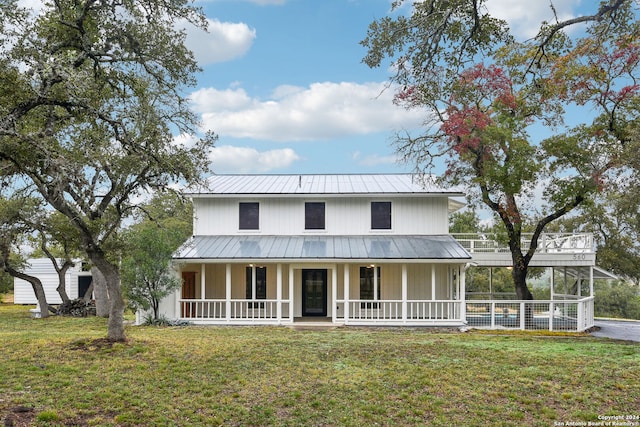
{"points": [[575, 315], [547, 243], [221, 310], [427, 312], [554, 315]]}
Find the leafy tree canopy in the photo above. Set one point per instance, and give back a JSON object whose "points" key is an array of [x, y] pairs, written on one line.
{"points": [[486, 95], [147, 275], [90, 100]]}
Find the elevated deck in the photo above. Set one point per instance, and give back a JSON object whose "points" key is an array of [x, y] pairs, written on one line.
{"points": [[553, 249]]}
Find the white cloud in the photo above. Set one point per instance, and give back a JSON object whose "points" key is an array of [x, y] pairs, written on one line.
{"points": [[227, 159], [374, 159], [185, 140], [35, 5], [321, 111], [223, 42], [525, 17]]}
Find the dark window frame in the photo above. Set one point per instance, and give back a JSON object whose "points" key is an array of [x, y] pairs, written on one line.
{"points": [[381, 216], [248, 216], [315, 216], [260, 285], [367, 287]]}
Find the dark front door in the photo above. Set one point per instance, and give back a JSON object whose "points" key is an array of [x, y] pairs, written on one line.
{"points": [[188, 292], [314, 292]]}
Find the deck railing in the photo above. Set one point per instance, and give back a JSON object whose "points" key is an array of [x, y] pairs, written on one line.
{"points": [[547, 242], [554, 315]]}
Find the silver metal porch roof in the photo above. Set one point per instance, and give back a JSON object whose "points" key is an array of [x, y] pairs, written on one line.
{"points": [[441, 247], [356, 184], [583, 272]]}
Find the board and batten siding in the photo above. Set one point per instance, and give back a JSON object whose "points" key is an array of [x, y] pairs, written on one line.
{"points": [[344, 216]]}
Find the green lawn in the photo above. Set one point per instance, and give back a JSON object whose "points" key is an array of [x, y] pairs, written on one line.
{"points": [[56, 371]]}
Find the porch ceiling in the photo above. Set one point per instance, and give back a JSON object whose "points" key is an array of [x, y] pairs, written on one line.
{"points": [[440, 247], [598, 273]]}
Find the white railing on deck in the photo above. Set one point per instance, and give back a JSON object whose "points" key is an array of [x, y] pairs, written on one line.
{"points": [[547, 242], [553, 315], [379, 311], [239, 310]]}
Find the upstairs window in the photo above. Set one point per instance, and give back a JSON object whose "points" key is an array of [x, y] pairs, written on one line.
{"points": [[249, 216], [314, 216], [381, 215]]}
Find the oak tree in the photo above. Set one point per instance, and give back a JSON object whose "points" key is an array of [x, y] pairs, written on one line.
{"points": [[14, 232], [487, 95], [91, 96]]}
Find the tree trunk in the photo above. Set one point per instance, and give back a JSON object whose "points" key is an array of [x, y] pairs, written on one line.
{"points": [[110, 275], [116, 313], [100, 289], [38, 289], [62, 272], [62, 282], [519, 275]]}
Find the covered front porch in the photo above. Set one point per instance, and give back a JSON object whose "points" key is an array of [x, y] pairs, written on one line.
{"points": [[347, 293]]}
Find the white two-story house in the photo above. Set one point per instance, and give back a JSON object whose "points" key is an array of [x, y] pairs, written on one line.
{"points": [[345, 249]]}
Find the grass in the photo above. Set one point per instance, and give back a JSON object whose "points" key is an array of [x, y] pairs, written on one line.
{"points": [[58, 371]]}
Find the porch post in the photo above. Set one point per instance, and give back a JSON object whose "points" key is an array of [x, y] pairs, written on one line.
{"points": [[346, 293], [279, 293], [291, 308], [203, 281], [334, 291], [178, 294], [591, 281], [228, 292], [553, 273], [404, 293], [463, 293], [433, 282], [565, 291]]}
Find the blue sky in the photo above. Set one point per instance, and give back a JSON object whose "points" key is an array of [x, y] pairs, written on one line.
{"points": [[284, 87], [293, 95]]}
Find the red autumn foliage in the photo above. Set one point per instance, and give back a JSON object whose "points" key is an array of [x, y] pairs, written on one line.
{"points": [[588, 87], [481, 92]]}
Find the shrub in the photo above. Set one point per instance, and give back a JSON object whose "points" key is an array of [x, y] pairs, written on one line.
{"points": [[162, 320]]}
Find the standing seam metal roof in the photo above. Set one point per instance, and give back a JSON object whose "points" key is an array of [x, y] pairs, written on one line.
{"points": [[322, 247], [324, 184]]}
